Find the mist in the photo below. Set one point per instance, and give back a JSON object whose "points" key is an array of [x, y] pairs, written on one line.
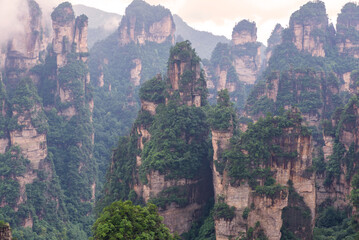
{"points": [[14, 13]]}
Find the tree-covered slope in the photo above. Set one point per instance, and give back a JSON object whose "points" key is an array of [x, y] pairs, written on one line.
{"points": [[117, 70]]}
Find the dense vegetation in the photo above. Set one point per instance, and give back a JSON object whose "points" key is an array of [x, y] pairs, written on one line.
{"points": [[251, 154], [123, 220], [113, 115]]}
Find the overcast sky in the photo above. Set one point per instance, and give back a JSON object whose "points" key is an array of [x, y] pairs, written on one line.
{"points": [[220, 16]]}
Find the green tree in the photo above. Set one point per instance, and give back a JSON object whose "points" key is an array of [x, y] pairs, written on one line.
{"points": [[123, 220]]}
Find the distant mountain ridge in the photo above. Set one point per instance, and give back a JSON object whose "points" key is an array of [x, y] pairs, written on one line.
{"points": [[204, 42]]}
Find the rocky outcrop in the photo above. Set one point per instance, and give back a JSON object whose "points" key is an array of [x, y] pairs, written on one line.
{"points": [[145, 23], [178, 218], [259, 207], [309, 29], [244, 32], [246, 51], [70, 34], [235, 67], [32, 143], [274, 40], [185, 87], [136, 72], [23, 49], [348, 29], [5, 232], [185, 75]]}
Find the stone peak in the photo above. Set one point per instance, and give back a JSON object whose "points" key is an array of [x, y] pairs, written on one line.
{"points": [[276, 35], [245, 31], [311, 12], [63, 13]]}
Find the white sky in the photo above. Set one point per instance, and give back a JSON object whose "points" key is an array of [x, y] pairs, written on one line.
{"points": [[220, 16]]}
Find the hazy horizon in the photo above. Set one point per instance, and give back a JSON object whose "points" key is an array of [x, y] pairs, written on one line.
{"points": [[220, 18]]}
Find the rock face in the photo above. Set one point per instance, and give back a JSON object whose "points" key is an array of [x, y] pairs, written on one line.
{"points": [[70, 36], [259, 207], [236, 66], [185, 76], [32, 143], [244, 32], [274, 40], [341, 151], [5, 232], [309, 25], [246, 51], [68, 32], [23, 49], [180, 197], [136, 72], [347, 30], [143, 22]]}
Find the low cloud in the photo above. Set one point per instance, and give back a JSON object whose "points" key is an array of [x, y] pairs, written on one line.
{"points": [[12, 14]]}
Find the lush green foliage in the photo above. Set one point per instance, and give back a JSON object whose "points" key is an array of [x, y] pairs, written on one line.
{"points": [[222, 210], [222, 116], [333, 223], [123, 220], [153, 90], [251, 154], [113, 116], [178, 146], [183, 52], [120, 179]]}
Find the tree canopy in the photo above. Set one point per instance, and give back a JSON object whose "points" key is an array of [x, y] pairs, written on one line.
{"points": [[123, 220]]}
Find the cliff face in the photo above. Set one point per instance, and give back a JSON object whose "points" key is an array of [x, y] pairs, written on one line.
{"points": [[246, 51], [5, 232], [23, 49], [32, 143], [347, 30], [250, 204], [46, 122], [143, 23], [177, 182], [69, 33], [274, 40], [309, 25], [339, 150], [236, 66], [244, 32], [185, 76]]}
